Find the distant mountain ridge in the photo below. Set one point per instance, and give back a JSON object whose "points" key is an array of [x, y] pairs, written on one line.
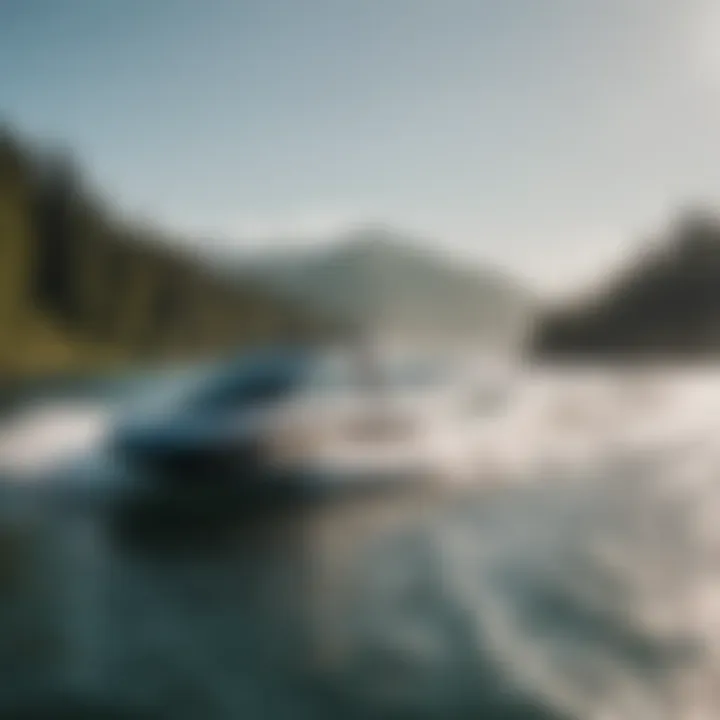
{"points": [[385, 281]]}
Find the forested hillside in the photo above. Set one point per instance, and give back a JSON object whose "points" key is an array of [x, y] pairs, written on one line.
{"points": [[666, 304], [81, 288]]}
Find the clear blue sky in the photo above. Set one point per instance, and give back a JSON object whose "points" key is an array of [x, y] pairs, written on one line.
{"points": [[541, 134]]}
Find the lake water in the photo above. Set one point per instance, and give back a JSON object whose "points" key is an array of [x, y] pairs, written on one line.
{"points": [[577, 577]]}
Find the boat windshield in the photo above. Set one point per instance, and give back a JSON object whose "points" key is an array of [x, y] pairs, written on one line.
{"points": [[332, 375], [416, 375], [347, 374]]}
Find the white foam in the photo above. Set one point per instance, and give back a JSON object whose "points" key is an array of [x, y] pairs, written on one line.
{"points": [[45, 436]]}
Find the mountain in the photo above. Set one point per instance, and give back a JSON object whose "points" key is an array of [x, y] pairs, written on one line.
{"points": [[387, 282], [665, 303], [82, 289]]}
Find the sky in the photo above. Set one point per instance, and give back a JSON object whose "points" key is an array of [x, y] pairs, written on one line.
{"points": [[548, 136]]}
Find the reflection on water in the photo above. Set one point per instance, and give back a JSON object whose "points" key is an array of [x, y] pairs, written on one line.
{"points": [[577, 584], [257, 621], [529, 603]]}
